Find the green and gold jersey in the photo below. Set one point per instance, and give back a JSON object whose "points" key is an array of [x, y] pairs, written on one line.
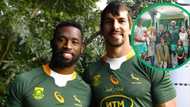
{"points": [[180, 51], [38, 89], [132, 85]]}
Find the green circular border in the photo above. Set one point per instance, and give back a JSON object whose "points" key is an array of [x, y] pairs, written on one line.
{"points": [[146, 9]]}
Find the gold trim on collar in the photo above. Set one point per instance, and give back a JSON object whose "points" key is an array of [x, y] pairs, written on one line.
{"points": [[130, 54], [74, 75], [46, 69]]}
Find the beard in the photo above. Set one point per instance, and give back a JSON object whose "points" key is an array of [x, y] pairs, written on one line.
{"points": [[115, 43], [59, 61], [114, 38]]}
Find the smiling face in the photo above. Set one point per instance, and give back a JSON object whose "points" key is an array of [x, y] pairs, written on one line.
{"points": [[67, 46], [115, 28]]}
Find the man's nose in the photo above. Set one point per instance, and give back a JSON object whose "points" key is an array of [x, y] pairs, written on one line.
{"points": [[116, 25], [68, 44]]}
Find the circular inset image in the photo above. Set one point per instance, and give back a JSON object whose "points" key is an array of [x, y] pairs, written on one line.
{"points": [[161, 35]]}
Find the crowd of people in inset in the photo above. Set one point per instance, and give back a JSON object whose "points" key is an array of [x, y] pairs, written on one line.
{"points": [[165, 47]]}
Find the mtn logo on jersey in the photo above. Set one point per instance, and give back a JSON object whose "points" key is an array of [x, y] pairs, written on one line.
{"points": [[117, 101], [38, 93]]}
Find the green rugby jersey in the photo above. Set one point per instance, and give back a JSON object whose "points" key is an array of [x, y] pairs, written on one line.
{"points": [[38, 89], [180, 51], [133, 85]]}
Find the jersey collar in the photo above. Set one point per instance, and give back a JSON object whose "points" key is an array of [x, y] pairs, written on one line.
{"points": [[48, 70], [129, 55]]}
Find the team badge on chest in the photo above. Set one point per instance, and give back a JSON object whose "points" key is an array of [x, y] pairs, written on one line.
{"points": [[38, 93]]}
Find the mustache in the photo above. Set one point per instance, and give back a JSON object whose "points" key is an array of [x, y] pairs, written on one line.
{"points": [[67, 50]]}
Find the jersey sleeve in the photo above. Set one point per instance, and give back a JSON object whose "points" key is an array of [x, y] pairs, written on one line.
{"points": [[162, 87], [15, 93], [87, 74], [87, 77]]}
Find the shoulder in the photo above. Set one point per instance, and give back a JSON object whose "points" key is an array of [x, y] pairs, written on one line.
{"points": [[153, 74], [23, 82], [82, 86], [29, 75], [91, 69], [83, 83], [93, 66], [138, 63], [139, 66]]}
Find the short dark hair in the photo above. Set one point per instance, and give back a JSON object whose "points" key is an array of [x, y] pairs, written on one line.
{"points": [[66, 24], [113, 7]]}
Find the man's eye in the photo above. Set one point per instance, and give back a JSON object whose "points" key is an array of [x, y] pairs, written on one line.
{"points": [[122, 21], [75, 42], [61, 40]]}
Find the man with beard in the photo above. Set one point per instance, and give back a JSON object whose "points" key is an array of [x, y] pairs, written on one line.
{"points": [[119, 79], [55, 84]]}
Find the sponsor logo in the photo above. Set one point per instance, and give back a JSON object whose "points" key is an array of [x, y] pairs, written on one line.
{"points": [[137, 79], [114, 80], [117, 101], [114, 89], [77, 101], [134, 77]]}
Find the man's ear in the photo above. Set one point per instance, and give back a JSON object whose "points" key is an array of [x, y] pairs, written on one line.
{"points": [[130, 21]]}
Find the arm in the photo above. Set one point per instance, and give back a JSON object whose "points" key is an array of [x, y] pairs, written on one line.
{"points": [[171, 103], [14, 94], [163, 91]]}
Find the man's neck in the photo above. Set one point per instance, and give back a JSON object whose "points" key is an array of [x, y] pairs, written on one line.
{"points": [[116, 52], [65, 71], [62, 70]]}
